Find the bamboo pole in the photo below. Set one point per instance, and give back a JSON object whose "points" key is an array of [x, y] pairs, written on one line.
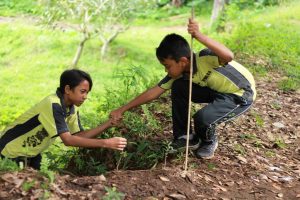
{"points": [[190, 102]]}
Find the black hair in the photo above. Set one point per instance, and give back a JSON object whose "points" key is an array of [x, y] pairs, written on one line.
{"points": [[73, 77], [173, 46]]}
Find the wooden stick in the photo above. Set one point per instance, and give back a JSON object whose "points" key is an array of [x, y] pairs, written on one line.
{"points": [[190, 101]]}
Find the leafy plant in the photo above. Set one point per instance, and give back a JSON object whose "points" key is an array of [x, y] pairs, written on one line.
{"points": [[270, 153], [279, 143], [45, 170], [112, 193], [8, 165], [259, 120], [211, 166], [27, 185], [239, 149]]}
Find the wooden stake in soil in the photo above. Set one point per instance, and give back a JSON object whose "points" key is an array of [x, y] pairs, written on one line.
{"points": [[190, 102]]}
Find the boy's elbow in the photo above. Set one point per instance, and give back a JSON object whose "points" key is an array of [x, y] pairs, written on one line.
{"points": [[229, 57], [68, 141]]}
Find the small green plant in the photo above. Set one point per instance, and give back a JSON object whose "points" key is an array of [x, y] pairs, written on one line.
{"points": [[211, 166], [270, 153], [279, 143], [258, 143], [45, 170], [8, 165], [113, 194], [193, 165], [239, 149], [123, 154], [166, 147], [276, 105], [259, 120], [26, 186], [152, 122]]}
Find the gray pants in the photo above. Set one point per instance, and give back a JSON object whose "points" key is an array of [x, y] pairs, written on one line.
{"points": [[221, 107]]}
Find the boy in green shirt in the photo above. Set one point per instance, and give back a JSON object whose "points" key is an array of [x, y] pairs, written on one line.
{"points": [[227, 87], [56, 115]]}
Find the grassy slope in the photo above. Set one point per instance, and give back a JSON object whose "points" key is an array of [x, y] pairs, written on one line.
{"points": [[273, 35], [32, 57]]}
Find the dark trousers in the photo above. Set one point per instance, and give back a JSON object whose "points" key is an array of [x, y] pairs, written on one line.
{"points": [[221, 107], [34, 162]]}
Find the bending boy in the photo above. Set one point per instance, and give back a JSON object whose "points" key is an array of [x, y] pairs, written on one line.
{"points": [[56, 115], [227, 87]]}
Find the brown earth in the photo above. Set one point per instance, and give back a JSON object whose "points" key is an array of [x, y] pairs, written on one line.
{"points": [[252, 162]]}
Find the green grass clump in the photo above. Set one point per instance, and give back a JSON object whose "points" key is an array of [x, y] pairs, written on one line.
{"points": [[271, 40]]}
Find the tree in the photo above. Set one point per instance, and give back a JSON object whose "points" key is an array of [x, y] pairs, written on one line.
{"points": [[94, 18], [218, 7]]}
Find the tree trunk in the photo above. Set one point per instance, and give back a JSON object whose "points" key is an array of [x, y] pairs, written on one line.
{"points": [[177, 3], [106, 42], [78, 53], [217, 8], [104, 49]]}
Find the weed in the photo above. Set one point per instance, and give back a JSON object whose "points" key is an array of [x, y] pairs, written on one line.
{"points": [[166, 147], [8, 165], [270, 153], [193, 165], [26, 186], [279, 143], [123, 154], [276, 105], [239, 149], [45, 170], [112, 193], [211, 166], [259, 120], [258, 144]]}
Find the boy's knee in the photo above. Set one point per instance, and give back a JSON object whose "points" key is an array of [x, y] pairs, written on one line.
{"points": [[201, 119]]}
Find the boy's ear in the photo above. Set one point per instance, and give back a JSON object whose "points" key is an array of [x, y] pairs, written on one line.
{"points": [[184, 59], [67, 89]]}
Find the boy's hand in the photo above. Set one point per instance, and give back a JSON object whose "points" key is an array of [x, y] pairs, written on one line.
{"points": [[117, 143], [193, 28], [116, 116]]}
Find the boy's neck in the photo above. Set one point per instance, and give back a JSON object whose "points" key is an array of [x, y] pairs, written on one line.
{"points": [[67, 102]]}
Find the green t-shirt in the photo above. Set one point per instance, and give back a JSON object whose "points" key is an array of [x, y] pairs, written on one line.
{"points": [[36, 129], [232, 78]]}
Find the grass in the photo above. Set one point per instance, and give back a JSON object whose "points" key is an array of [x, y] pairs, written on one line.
{"points": [[272, 36]]}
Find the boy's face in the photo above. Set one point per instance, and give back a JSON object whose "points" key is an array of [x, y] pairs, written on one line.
{"points": [[175, 69], [78, 94]]}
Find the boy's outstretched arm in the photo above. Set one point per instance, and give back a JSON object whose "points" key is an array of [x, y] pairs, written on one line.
{"points": [[117, 143], [224, 54], [143, 98], [92, 133]]}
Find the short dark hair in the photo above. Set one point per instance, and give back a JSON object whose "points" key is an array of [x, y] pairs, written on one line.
{"points": [[73, 77], [173, 46]]}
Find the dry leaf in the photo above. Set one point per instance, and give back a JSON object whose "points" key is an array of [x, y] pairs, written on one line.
{"points": [[177, 196], [164, 178]]}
